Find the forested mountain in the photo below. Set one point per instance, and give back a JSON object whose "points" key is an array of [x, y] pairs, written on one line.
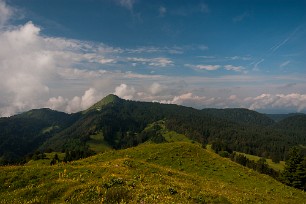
{"points": [[24, 133], [279, 117], [294, 127], [121, 123], [240, 115]]}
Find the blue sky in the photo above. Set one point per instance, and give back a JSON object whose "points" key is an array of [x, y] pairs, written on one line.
{"points": [[68, 54]]}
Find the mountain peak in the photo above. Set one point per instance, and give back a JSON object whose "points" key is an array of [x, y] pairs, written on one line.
{"points": [[111, 98]]}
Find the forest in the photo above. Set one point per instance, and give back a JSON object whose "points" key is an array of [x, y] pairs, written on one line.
{"points": [[122, 123]]}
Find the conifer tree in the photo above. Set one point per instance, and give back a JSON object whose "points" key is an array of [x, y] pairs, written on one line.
{"points": [[294, 173]]}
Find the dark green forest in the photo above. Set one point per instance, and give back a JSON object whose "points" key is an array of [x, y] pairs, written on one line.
{"points": [[122, 124]]}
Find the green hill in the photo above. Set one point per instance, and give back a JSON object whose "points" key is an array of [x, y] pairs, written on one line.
{"points": [[24, 133], [150, 173], [115, 123], [280, 117], [240, 115]]}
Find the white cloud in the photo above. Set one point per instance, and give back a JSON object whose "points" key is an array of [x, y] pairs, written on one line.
{"points": [[192, 100], [124, 91], [31, 65], [233, 97], [24, 67], [5, 13], [292, 101], [156, 88], [76, 104], [57, 103], [156, 62], [239, 58], [204, 67], [70, 75], [234, 68]]}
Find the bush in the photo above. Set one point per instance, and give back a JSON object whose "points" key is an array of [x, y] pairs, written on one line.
{"points": [[117, 195], [224, 154]]}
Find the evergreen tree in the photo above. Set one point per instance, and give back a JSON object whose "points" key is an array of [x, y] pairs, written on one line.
{"points": [[294, 173]]}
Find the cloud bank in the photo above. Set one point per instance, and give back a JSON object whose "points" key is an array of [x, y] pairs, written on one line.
{"points": [[71, 75], [5, 13]]}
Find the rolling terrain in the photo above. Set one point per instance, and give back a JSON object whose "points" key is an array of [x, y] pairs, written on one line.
{"points": [[177, 172], [114, 123]]}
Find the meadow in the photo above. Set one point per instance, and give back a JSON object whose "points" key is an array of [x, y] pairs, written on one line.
{"points": [[178, 172]]}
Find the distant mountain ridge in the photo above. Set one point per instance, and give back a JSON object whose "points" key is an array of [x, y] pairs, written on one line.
{"points": [[279, 117], [240, 115], [119, 123]]}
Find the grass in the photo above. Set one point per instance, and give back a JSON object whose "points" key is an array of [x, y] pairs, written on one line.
{"points": [[49, 129], [47, 160], [170, 136], [98, 144], [177, 172], [276, 166]]}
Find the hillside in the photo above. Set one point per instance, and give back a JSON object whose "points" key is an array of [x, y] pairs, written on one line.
{"points": [[24, 133], [109, 99], [152, 173], [240, 115], [279, 117], [115, 123]]}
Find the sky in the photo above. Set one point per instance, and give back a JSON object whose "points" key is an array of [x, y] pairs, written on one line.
{"points": [[68, 54]]}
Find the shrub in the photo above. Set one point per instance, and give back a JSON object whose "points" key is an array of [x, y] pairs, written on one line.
{"points": [[117, 195], [224, 154]]}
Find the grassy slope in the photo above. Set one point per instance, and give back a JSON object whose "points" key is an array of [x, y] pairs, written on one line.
{"points": [[164, 173], [47, 160], [170, 136], [276, 166], [98, 144]]}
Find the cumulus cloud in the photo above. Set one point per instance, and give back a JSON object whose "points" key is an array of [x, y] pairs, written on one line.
{"points": [[71, 75], [293, 101], [125, 92], [5, 12], [192, 100], [31, 64], [75, 104], [268, 102], [24, 68], [156, 88]]}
